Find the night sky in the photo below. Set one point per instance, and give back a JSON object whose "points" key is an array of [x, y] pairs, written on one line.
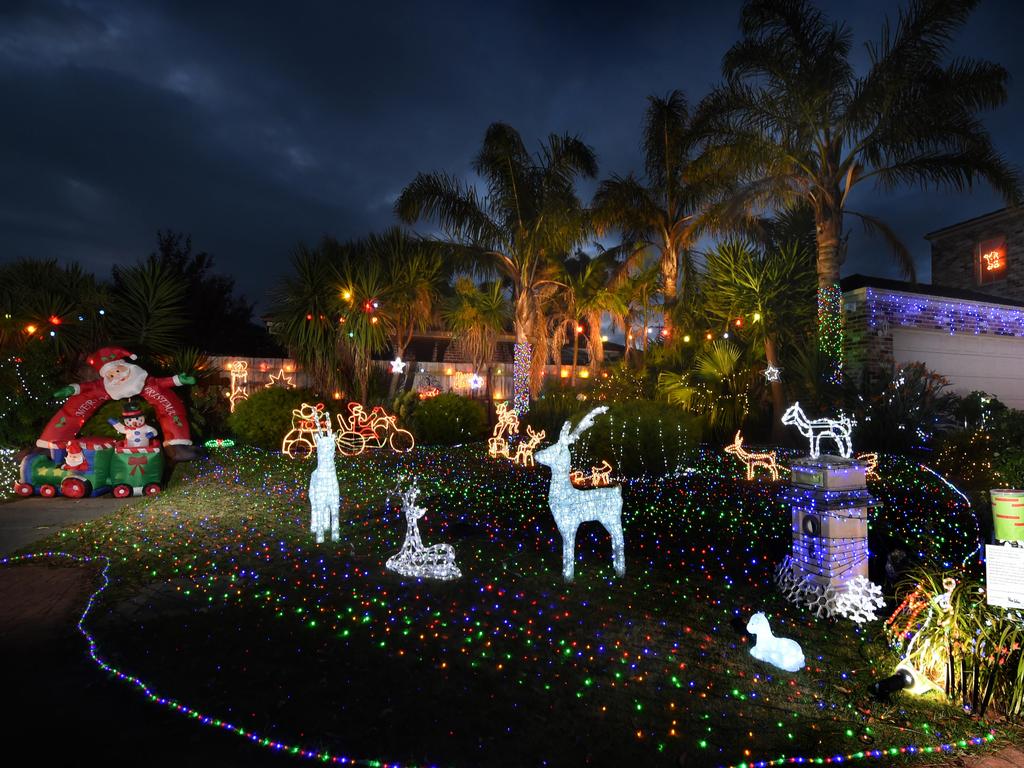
{"points": [[257, 125]]}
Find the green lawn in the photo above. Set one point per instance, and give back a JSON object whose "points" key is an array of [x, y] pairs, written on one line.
{"points": [[221, 600]]}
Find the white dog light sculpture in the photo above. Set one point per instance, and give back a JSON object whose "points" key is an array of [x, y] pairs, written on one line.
{"points": [[572, 506], [324, 496], [816, 429], [778, 651]]}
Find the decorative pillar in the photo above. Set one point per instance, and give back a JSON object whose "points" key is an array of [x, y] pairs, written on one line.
{"points": [[827, 571]]}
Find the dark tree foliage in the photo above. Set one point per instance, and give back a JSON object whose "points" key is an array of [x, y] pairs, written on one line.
{"points": [[216, 320]]}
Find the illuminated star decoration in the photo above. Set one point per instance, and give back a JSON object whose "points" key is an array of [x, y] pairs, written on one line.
{"points": [[281, 380], [476, 381], [397, 365], [771, 373]]}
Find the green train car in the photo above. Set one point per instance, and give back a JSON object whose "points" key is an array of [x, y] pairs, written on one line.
{"points": [[108, 468]]}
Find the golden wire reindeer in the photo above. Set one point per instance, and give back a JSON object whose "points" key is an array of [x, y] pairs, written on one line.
{"points": [[525, 449], [753, 459], [599, 477], [871, 459], [508, 424]]}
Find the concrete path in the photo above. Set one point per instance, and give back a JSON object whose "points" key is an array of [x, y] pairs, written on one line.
{"points": [[27, 520]]}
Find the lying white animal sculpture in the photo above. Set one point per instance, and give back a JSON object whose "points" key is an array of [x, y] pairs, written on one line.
{"points": [[778, 651]]}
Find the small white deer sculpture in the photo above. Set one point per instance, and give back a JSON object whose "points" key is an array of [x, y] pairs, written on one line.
{"points": [[816, 429], [416, 559], [324, 496], [780, 652], [572, 506]]}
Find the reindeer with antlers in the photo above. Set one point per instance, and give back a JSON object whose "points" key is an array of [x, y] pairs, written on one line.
{"points": [[753, 459], [525, 449], [324, 495], [572, 506]]}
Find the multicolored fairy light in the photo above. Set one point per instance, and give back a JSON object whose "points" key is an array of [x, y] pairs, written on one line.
{"points": [[830, 328], [522, 353]]}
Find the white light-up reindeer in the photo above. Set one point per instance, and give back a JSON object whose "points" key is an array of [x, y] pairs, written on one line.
{"points": [[816, 429], [324, 496], [572, 506], [416, 559]]}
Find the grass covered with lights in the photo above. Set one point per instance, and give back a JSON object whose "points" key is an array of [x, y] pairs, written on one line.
{"points": [[220, 599]]}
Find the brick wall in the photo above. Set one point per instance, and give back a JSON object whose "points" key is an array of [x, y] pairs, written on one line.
{"points": [[955, 253]]}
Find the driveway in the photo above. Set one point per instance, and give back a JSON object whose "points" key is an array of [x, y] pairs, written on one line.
{"points": [[27, 520]]}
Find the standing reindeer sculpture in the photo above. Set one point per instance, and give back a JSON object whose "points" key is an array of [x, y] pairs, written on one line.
{"points": [[753, 459], [816, 429], [525, 449], [572, 506], [324, 496], [508, 424]]}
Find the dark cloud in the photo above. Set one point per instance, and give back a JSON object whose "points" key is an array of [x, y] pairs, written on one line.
{"points": [[254, 126]]}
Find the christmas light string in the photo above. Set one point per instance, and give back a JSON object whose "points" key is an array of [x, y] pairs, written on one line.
{"points": [[172, 704], [331, 598]]}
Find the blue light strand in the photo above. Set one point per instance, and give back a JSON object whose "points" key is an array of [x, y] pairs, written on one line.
{"points": [[172, 704]]}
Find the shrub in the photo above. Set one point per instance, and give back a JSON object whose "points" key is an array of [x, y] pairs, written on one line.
{"points": [[639, 438], [553, 407], [449, 419], [1009, 467], [266, 416]]}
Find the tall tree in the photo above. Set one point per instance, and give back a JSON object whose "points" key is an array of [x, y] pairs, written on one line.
{"points": [[795, 123], [477, 315], [589, 294], [771, 291], [529, 218], [662, 211]]}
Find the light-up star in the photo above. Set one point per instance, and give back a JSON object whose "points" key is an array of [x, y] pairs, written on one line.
{"points": [[476, 381], [280, 381], [397, 366], [771, 373]]}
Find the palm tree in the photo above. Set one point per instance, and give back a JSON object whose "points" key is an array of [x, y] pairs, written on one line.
{"points": [[716, 387], [529, 218], [662, 212], [148, 307], [795, 123], [638, 291], [477, 315], [770, 290], [590, 293], [305, 317]]}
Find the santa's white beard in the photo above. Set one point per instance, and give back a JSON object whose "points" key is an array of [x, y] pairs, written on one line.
{"points": [[129, 387]]}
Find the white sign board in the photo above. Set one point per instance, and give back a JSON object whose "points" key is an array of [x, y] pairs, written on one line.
{"points": [[1004, 576]]}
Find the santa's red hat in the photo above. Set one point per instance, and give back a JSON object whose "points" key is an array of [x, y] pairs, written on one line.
{"points": [[74, 447], [104, 357]]}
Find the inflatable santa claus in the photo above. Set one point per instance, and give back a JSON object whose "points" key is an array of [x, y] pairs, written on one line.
{"points": [[121, 378]]}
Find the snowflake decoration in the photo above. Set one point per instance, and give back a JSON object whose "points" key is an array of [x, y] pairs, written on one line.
{"points": [[860, 600], [771, 373]]}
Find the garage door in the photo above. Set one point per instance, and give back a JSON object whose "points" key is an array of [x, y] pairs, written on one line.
{"points": [[993, 364]]}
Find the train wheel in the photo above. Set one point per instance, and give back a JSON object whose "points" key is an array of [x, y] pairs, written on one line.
{"points": [[47, 490], [401, 441], [24, 489], [122, 491], [153, 489], [351, 443], [75, 488]]}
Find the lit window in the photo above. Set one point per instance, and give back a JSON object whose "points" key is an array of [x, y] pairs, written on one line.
{"points": [[990, 260]]}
